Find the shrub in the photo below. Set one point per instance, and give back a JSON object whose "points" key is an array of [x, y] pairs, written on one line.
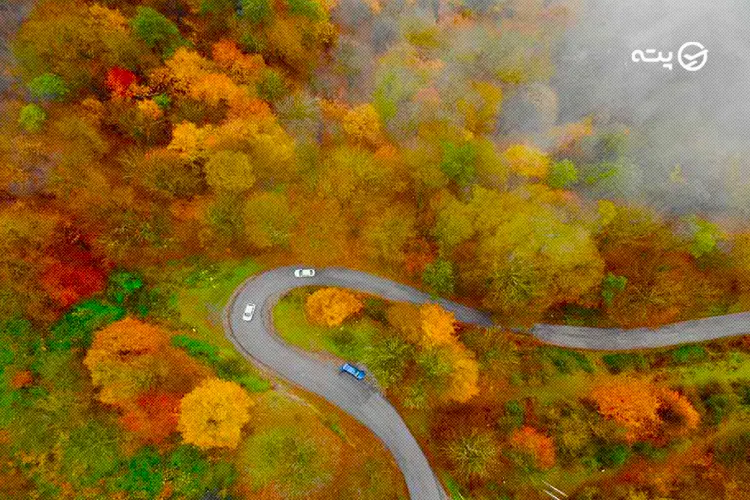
{"points": [[733, 449], [562, 174], [621, 361], [688, 354], [612, 455], [513, 417], [719, 406], [566, 360], [197, 348], [32, 117], [438, 276], [742, 389], [533, 449], [48, 87], [474, 455]]}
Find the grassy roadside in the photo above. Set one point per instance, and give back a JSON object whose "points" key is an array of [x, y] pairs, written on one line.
{"points": [[201, 295], [348, 341]]}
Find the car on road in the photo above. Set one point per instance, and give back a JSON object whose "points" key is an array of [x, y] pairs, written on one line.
{"points": [[249, 310], [353, 371], [304, 273]]}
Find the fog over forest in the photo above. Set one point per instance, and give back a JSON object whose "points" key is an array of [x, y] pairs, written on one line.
{"points": [[697, 120]]}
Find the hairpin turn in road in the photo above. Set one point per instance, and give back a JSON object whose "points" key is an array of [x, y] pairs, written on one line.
{"points": [[257, 341]]}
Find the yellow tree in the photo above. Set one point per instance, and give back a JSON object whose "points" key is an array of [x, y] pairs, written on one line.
{"points": [[387, 232], [269, 219], [362, 124], [120, 358], [527, 161], [213, 414], [463, 381], [438, 326], [331, 306], [230, 171]]}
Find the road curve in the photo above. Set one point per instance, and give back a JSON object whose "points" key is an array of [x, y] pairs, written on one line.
{"points": [[258, 342]]}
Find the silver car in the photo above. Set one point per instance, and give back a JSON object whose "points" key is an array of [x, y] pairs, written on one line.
{"points": [[304, 273], [249, 310]]}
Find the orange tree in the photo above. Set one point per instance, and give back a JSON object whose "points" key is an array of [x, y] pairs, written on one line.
{"points": [[331, 306]]}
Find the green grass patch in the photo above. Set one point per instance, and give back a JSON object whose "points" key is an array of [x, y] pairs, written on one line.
{"points": [[292, 325]]}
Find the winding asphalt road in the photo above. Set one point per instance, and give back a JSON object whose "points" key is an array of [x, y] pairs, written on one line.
{"points": [[258, 342]]}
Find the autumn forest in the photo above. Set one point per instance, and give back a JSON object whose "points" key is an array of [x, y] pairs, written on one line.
{"points": [[156, 153]]}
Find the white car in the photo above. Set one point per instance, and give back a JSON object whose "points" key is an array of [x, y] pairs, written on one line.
{"points": [[304, 273], [249, 310]]}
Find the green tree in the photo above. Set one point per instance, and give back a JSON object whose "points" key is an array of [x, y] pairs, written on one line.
{"points": [[387, 359], [48, 87], [438, 276], [459, 162], [271, 86], [256, 11], [76, 327], [156, 30], [310, 9], [32, 117], [143, 474], [294, 462], [611, 286], [90, 453], [562, 174], [387, 232], [122, 285], [454, 224]]}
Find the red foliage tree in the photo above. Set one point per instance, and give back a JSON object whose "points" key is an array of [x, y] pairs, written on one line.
{"points": [[119, 80], [153, 416], [67, 282]]}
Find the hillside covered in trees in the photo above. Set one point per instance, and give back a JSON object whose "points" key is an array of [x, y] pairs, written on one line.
{"points": [[151, 151]]}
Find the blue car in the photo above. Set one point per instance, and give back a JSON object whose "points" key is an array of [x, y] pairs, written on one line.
{"points": [[353, 371]]}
